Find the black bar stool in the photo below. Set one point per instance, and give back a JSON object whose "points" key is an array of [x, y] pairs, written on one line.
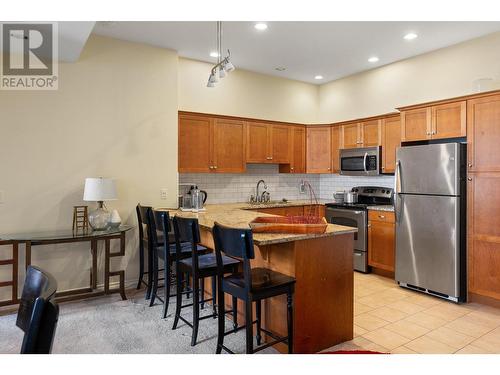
{"points": [[252, 285], [198, 267], [159, 222], [142, 220]]}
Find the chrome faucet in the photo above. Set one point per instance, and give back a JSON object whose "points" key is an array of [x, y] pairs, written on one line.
{"points": [[260, 198]]}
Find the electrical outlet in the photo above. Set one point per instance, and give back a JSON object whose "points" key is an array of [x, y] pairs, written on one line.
{"points": [[302, 187], [163, 193], [1, 196]]}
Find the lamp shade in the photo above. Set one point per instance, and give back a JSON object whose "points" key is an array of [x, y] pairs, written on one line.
{"points": [[99, 189]]}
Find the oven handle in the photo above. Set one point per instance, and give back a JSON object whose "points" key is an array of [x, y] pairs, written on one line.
{"points": [[364, 162]]}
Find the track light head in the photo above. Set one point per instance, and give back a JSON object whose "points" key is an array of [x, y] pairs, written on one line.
{"points": [[229, 65], [222, 71]]}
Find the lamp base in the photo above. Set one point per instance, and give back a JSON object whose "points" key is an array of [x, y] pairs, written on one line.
{"points": [[99, 218]]}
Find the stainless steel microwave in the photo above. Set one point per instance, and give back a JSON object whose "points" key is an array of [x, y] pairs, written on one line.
{"points": [[360, 161]]}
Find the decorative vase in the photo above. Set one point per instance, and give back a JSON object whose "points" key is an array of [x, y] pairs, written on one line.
{"points": [[115, 220]]}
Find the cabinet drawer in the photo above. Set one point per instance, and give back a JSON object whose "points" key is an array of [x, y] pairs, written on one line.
{"points": [[385, 216]]}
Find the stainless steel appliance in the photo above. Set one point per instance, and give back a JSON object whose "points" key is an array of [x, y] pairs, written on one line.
{"points": [[360, 161], [430, 219], [350, 197], [356, 215]]}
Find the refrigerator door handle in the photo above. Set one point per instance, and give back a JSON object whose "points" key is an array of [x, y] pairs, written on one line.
{"points": [[397, 189]]}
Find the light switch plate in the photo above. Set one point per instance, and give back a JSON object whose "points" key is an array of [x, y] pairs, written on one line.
{"points": [[163, 193]]}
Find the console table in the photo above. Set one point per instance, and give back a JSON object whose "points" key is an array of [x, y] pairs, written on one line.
{"points": [[68, 236]]}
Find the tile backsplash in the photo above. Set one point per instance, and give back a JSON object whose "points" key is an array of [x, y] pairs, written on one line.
{"points": [[228, 188]]}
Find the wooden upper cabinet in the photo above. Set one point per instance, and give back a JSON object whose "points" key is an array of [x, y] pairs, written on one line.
{"points": [[391, 140], [483, 134], [370, 133], [281, 143], [351, 135], [258, 146], [195, 139], [229, 146], [449, 120], [416, 124], [318, 149], [336, 145], [268, 143], [298, 152]]}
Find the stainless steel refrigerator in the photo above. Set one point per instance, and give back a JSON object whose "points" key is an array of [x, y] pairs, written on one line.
{"points": [[429, 205]]}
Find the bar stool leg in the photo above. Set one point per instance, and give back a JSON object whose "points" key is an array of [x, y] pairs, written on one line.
{"points": [[167, 271], [141, 267], [221, 318], [258, 312], [202, 292], [248, 326], [214, 297], [289, 305], [235, 312], [178, 301], [155, 280], [150, 274], [196, 310]]}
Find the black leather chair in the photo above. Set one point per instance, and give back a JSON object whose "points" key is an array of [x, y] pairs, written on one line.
{"points": [[251, 285], [198, 267], [159, 226], [38, 313]]}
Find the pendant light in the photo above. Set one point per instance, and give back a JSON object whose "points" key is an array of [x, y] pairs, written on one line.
{"points": [[224, 65]]}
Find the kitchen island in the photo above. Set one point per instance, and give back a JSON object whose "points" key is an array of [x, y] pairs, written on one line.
{"points": [[321, 263]]}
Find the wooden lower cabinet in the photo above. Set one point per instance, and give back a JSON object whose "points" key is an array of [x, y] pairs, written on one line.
{"points": [[381, 240], [484, 234]]}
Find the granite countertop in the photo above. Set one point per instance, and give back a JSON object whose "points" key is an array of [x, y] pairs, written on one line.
{"points": [[386, 207], [238, 215]]}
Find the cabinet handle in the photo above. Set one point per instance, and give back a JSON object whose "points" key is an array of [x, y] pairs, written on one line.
{"points": [[470, 165], [329, 168], [291, 168], [211, 167], [469, 178], [215, 167], [383, 168], [381, 216]]}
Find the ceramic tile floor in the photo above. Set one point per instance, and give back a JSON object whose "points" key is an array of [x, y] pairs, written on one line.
{"points": [[391, 319]]}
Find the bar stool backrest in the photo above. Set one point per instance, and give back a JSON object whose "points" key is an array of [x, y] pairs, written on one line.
{"points": [[159, 221], [38, 313], [143, 222], [236, 243], [187, 230]]}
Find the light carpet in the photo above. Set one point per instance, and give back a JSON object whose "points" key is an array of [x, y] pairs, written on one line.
{"points": [[110, 326]]}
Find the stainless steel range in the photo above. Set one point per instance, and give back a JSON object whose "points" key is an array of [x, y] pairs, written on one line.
{"points": [[356, 215]]}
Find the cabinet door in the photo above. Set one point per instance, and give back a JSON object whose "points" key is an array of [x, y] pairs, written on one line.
{"points": [[350, 135], [483, 134], [381, 245], [298, 163], [229, 146], [195, 137], [449, 120], [318, 150], [281, 143], [391, 140], [416, 124], [335, 149], [483, 235], [258, 143], [370, 133]]}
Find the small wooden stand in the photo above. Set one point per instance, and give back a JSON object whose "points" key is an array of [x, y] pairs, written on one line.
{"points": [[80, 218]]}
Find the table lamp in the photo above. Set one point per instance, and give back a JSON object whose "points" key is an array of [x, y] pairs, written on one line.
{"points": [[99, 190]]}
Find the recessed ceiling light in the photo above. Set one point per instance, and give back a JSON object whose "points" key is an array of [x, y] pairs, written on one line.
{"points": [[318, 77], [280, 68], [214, 54], [260, 26], [410, 36], [373, 59]]}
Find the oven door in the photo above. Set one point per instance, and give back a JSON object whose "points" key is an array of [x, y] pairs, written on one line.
{"points": [[350, 218], [360, 161]]}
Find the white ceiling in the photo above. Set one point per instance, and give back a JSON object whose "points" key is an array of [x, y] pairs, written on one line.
{"points": [[305, 49], [72, 37]]}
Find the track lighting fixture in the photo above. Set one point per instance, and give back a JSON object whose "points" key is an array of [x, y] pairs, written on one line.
{"points": [[224, 65]]}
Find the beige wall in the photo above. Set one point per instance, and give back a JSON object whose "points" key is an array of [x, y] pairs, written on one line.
{"points": [[441, 74], [246, 94], [114, 115]]}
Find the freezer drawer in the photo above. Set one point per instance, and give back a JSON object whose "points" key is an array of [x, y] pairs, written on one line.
{"points": [[429, 169], [428, 243]]}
